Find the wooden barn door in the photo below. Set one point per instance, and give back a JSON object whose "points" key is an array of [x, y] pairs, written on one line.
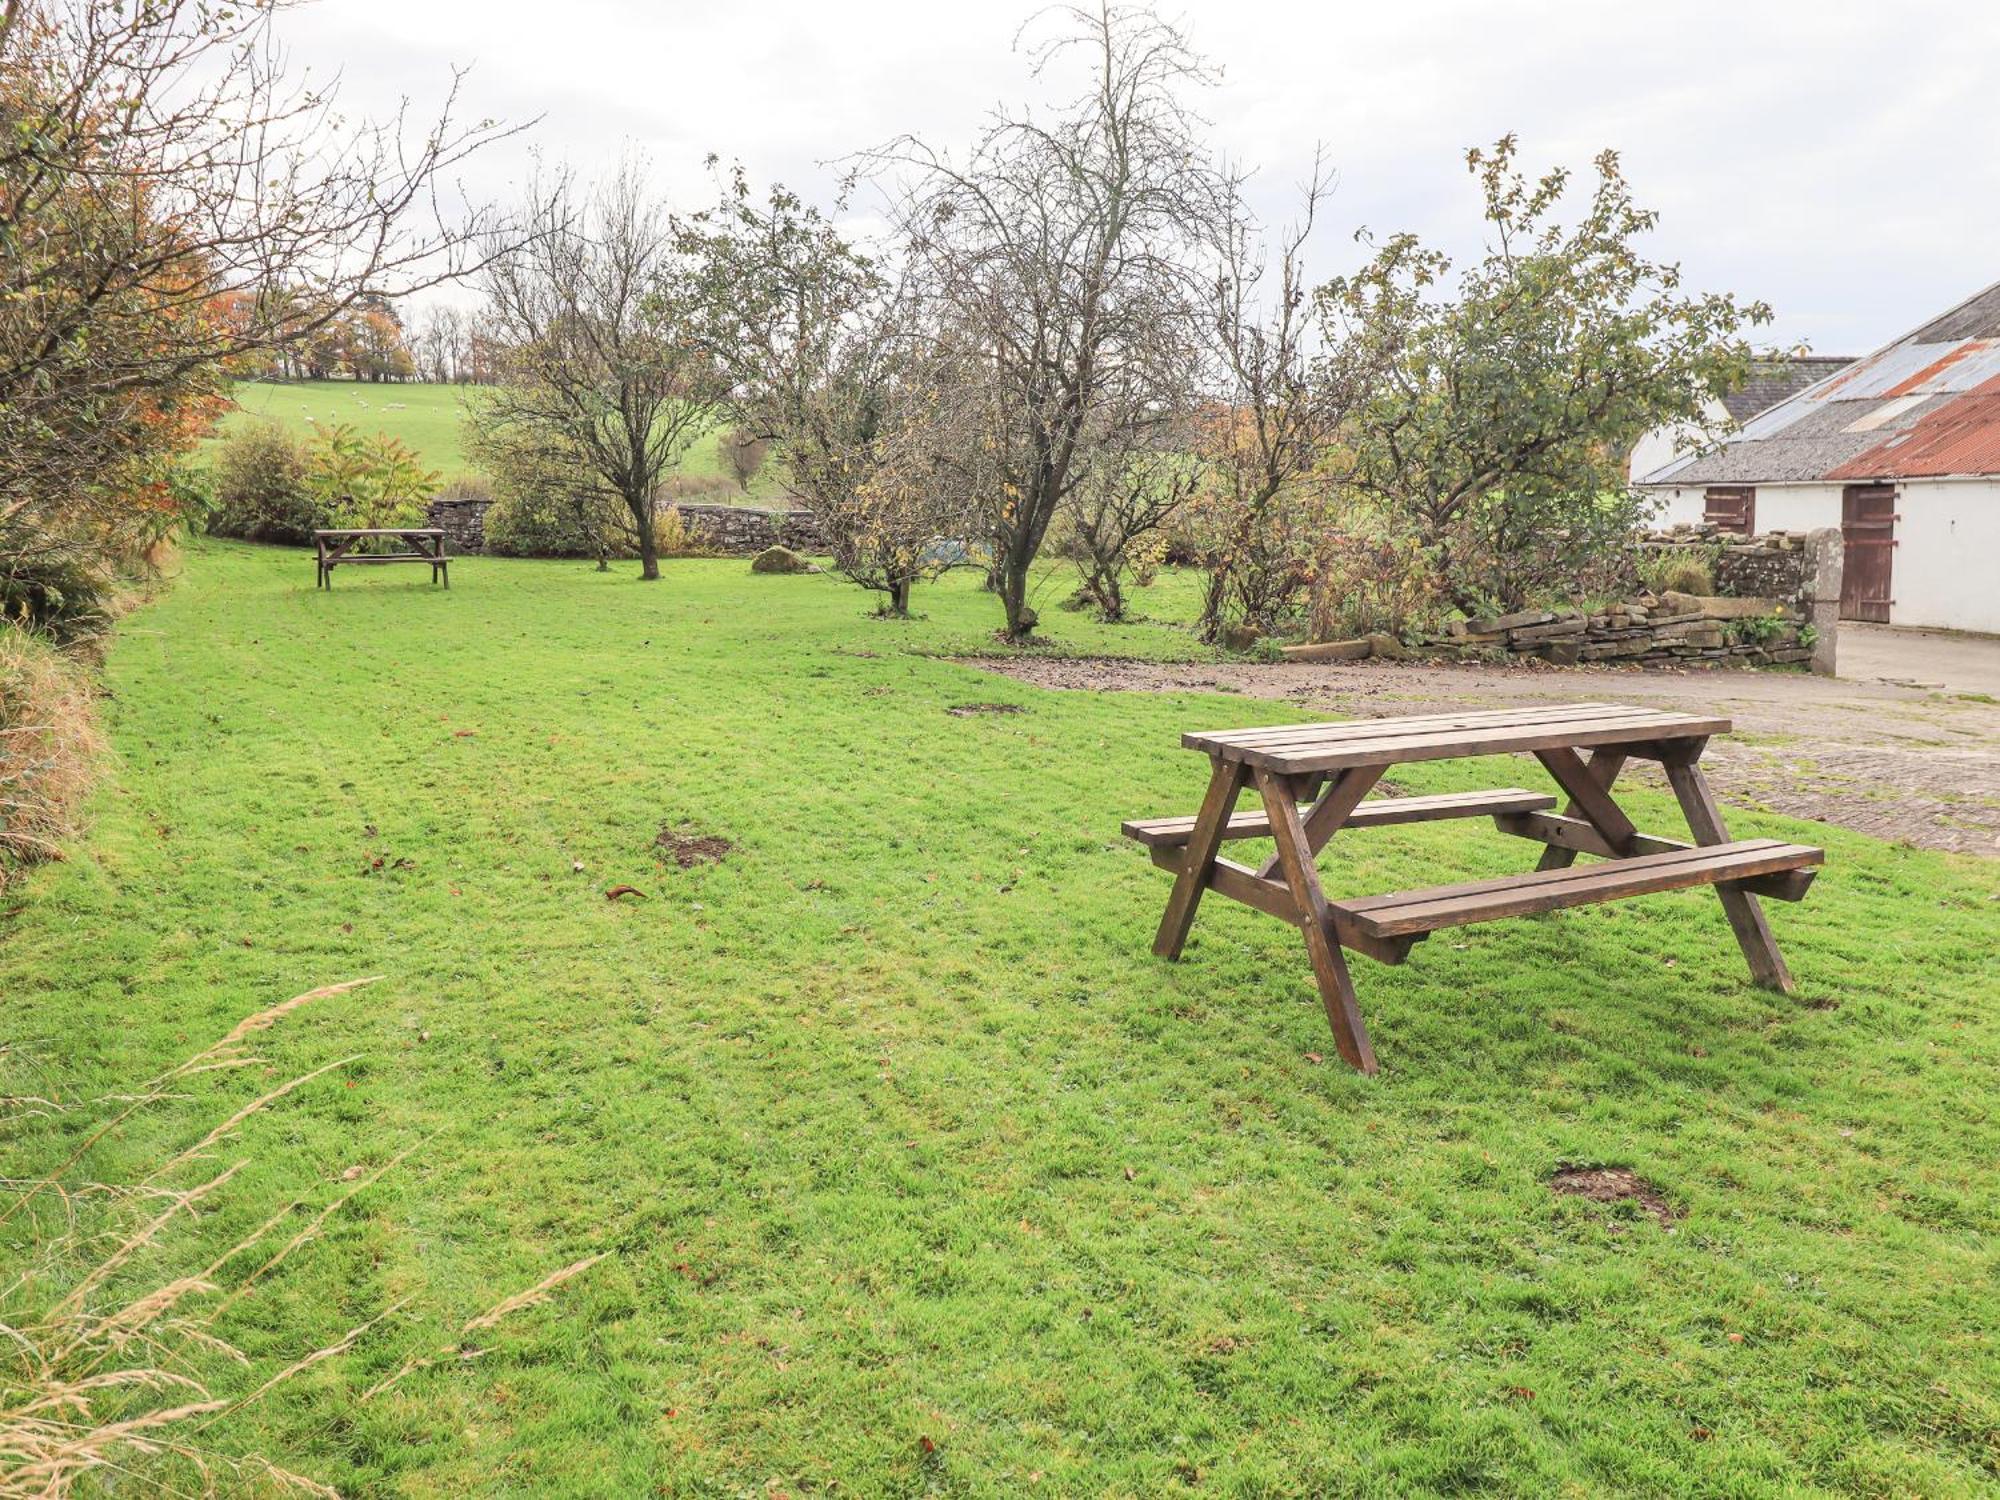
{"points": [[1868, 529], [1730, 507]]}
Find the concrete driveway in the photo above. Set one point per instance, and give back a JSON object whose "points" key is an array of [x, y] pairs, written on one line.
{"points": [[1948, 660]]}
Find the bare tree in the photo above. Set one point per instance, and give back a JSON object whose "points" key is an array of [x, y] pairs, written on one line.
{"points": [[605, 368], [1128, 494], [1271, 440], [1064, 260], [742, 453]]}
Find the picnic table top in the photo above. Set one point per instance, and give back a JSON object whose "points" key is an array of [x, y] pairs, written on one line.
{"points": [[1296, 748], [380, 531]]}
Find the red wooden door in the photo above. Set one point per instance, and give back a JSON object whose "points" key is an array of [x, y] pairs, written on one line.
{"points": [[1868, 532]]}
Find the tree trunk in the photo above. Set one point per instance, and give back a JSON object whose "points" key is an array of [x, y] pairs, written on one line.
{"points": [[899, 597], [1014, 593], [649, 547], [1209, 626]]}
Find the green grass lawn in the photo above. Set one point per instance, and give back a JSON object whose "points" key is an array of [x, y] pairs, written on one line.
{"points": [[429, 418], [916, 1172]]}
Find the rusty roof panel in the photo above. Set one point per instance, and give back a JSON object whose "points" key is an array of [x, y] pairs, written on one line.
{"points": [[1936, 376], [1960, 436]]}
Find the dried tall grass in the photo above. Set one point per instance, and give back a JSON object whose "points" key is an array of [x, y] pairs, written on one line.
{"points": [[48, 745], [105, 1373]]}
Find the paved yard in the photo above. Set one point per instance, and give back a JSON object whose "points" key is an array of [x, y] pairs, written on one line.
{"points": [[1921, 764], [1949, 660]]}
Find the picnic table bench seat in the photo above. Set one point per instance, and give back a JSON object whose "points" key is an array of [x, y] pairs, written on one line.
{"points": [[1419, 912], [1378, 812], [1314, 779]]}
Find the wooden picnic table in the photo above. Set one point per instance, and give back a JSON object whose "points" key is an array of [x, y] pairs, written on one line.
{"points": [[1312, 779], [422, 544]]}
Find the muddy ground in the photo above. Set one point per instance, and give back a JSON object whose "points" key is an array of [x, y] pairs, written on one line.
{"points": [[1910, 763]]}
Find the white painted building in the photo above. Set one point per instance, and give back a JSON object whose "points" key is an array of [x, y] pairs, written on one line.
{"points": [[1901, 450]]}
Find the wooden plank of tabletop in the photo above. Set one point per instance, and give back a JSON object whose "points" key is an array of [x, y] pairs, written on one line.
{"points": [[1455, 744], [1470, 719], [1338, 735], [1360, 729]]}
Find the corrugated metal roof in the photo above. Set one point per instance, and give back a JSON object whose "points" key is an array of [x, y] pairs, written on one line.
{"points": [[1960, 436], [1926, 406]]}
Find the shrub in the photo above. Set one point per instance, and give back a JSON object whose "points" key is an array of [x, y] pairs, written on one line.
{"points": [[555, 521], [48, 743], [260, 486], [55, 580], [1373, 581], [1680, 571], [357, 481]]}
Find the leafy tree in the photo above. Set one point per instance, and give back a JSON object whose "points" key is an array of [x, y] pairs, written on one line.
{"points": [[598, 320], [1498, 436], [827, 363], [159, 178]]}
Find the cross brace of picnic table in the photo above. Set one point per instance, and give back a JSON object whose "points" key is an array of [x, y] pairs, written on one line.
{"points": [[1312, 779]]}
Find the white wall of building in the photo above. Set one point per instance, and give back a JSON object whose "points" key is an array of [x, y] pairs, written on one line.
{"points": [[1946, 572], [1780, 507], [1663, 445], [1947, 568]]}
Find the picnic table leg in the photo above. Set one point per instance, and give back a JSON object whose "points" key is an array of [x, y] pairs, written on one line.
{"points": [[1746, 915], [1589, 797], [1336, 985], [1327, 814], [1198, 860], [1605, 765]]}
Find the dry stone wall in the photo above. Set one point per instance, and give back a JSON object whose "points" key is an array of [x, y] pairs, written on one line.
{"points": [[1778, 605], [744, 531], [463, 523], [732, 530]]}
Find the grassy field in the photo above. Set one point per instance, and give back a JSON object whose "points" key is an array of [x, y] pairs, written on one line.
{"points": [[429, 418], [917, 1174]]}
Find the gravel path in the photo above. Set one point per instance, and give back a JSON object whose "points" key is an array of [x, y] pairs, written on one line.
{"points": [[1907, 763]]}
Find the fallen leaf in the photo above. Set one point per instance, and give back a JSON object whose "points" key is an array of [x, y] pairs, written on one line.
{"points": [[623, 890], [1315, 1057]]}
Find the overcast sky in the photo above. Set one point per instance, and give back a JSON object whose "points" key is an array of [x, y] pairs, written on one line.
{"points": [[1835, 159]]}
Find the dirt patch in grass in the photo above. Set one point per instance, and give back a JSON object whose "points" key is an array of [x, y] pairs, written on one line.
{"points": [[1612, 1185], [967, 710], [688, 847]]}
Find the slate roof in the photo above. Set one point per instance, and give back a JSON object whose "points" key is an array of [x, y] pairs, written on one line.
{"points": [[1926, 406], [1772, 381]]}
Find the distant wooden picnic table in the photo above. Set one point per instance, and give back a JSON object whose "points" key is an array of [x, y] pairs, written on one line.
{"points": [[421, 544], [1312, 779]]}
